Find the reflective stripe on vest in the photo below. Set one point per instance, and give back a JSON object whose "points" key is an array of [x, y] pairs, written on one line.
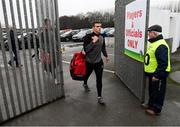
{"points": [[150, 61]]}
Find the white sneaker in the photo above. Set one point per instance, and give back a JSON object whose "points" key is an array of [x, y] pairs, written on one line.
{"points": [[101, 101]]}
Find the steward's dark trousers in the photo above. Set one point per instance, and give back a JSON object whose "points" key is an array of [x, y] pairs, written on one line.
{"points": [[157, 90], [98, 68]]}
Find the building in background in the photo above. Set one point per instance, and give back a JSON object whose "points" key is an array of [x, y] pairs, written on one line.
{"points": [[167, 14]]}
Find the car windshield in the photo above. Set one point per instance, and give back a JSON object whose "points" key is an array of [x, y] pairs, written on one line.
{"points": [[82, 32], [85, 31], [66, 33]]}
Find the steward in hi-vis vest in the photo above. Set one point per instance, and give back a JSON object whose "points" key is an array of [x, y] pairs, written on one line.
{"points": [[150, 62], [157, 67]]}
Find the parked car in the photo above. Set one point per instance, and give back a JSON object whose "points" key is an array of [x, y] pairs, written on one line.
{"points": [[111, 33], [67, 36], [4, 36], [6, 46], [61, 32], [25, 36], [5, 40], [104, 31], [79, 36]]}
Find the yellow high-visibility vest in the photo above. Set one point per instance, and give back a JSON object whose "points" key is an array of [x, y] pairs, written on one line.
{"points": [[150, 61]]}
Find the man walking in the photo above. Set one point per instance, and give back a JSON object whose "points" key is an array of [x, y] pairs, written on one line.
{"points": [[15, 58], [94, 44], [48, 58], [157, 67]]}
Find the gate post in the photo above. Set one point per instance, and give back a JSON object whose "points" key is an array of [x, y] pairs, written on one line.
{"points": [[60, 69], [130, 71]]}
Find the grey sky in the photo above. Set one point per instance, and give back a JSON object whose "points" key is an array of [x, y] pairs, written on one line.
{"points": [[72, 7], [15, 12], [66, 7]]}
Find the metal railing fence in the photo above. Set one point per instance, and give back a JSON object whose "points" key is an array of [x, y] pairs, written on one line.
{"points": [[31, 72]]}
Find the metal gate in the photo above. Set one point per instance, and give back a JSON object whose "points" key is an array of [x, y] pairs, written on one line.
{"points": [[30, 60]]}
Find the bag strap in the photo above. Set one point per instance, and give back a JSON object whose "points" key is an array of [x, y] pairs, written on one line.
{"points": [[82, 49], [94, 57], [89, 52]]}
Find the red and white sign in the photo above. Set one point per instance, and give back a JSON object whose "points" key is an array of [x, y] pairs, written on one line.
{"points": [[135, 24]]}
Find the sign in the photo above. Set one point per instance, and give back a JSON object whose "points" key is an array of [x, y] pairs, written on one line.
{"points": [[135, 24]]}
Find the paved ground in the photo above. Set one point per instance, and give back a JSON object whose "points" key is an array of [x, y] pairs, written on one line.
{"points": [[81, 108], [122, 107]]}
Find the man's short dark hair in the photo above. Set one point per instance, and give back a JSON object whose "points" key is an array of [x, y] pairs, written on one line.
{"points": [[95, 22]]}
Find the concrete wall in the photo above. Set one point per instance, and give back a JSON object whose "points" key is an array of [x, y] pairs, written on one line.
{"points": [[128, 70]]}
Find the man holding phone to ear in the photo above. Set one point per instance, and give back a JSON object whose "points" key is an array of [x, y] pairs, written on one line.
{"points": [[94, 44]]}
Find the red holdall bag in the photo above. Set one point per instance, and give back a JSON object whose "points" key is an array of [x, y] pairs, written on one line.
{"points": [[78, 66]]}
